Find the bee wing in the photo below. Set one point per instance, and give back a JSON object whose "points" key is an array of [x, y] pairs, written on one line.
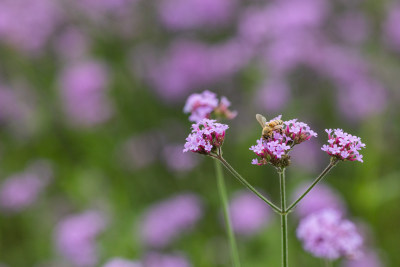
{"points": [[261, 120]]}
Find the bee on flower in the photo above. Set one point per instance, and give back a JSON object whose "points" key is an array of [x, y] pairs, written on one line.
{"points": [[278, 138]]}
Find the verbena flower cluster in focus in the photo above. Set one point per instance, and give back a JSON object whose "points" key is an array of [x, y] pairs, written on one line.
{"points": [[207, 135], [343, 146], [275, 150]]}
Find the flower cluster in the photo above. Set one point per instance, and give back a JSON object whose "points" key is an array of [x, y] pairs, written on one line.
{"points": [[207, 135], [202, 105], [275, 150], [343, 146], [298, 131], [248, 213], [326, 235], [167, 220], [76, 237]]}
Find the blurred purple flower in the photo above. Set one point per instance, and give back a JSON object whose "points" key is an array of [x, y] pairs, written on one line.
{"points": [[21, 190], [201, 105], [188, 65], [142, 150], [84, 87], [99, 9], [362, 98], [179, 15], [278, 20], [248, 213], [71, 44], [120, 262], [273, 95], [366, 259], [165, 221], [178, 161], [28, 24], [391, 27], [325, 234], [204, 105], [353, 27], [154, 259], [319, 198], [75, 237]]}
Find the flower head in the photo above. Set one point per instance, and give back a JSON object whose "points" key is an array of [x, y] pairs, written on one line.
{"points": [[275, 149], [248, 213], [273, 152], [203, 105], [326, 235], [165, 221], [298, 131], [76, 237], [207, 135], [343, 146]]}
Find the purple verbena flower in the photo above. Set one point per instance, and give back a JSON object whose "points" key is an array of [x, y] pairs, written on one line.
{"points": [[248, 213], [391, 27], [21, 190], [207, 135], [343, 146], [174, 14], [84, 91], [75, 237], [298, 131], [120, 262], [155, 259], [325, 234], [201, 106], [165, 221], [368, 258], [320, 198], [27, 25], [275, 150]]}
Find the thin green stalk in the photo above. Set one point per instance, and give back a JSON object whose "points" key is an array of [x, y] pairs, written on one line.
{"points": [[316, 181], [247, 184], [284, 238], [224, 200]]}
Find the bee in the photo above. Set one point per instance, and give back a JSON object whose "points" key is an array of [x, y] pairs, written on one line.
{"points": [[269, 128]]}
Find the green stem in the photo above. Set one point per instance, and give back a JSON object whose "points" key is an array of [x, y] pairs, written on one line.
{"points": [[283, 219], [316, 181], [224, 200], [247, 184]]}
